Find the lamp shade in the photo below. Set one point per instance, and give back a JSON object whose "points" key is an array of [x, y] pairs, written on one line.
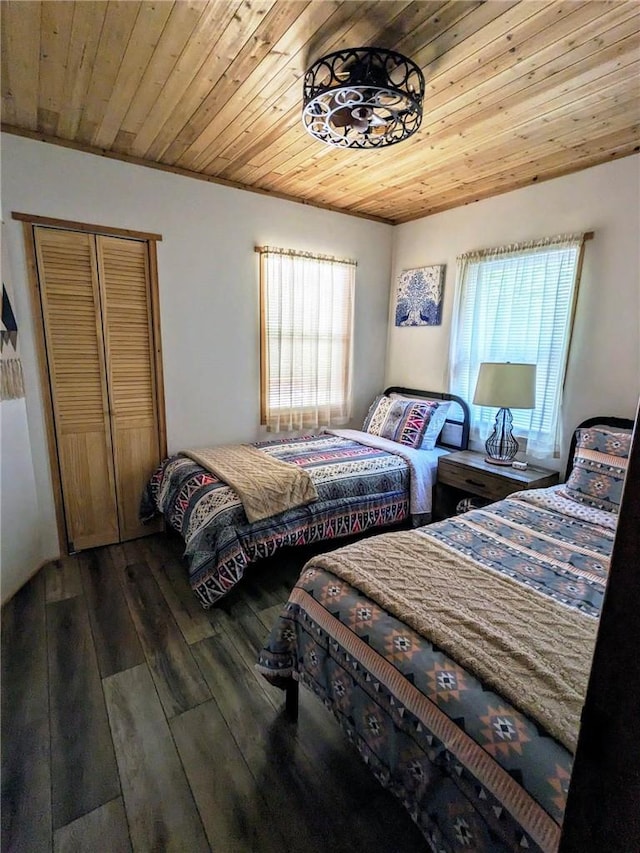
{"points": [[506, 385]]}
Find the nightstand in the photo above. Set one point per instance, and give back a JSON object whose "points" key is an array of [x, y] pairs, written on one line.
{"points": [[466, 474]]}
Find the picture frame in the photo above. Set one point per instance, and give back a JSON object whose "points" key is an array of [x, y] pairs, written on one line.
{"points": [[419, 296]]}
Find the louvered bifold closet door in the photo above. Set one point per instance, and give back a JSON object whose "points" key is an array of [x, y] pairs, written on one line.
{"points": [[69, 292], [123, 271]]}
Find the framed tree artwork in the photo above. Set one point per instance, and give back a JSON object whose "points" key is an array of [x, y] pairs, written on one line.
{"points": [[419, 296]]}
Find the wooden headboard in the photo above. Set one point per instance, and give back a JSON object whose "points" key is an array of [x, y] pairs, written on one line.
{"points": [[455, 432], [604, 420]]}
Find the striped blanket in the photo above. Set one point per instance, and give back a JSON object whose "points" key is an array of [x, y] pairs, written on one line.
{"points": [[358, 486]]}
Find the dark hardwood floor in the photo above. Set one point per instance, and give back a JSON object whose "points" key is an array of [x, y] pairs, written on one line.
{"points": [[132, 719]]}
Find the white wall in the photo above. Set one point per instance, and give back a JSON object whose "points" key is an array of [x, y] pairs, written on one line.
{"points": [[20, 542], [208, 277], [603, 372]]}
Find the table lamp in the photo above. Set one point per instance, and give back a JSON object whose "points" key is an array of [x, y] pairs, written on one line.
{"points": [[509, 386]]}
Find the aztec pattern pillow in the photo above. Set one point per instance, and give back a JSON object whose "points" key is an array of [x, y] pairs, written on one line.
{"points": [[404, 421], [436, 422], [599, 467]]}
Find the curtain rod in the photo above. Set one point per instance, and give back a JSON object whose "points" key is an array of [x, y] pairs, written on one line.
{"points": [[297, 254]]}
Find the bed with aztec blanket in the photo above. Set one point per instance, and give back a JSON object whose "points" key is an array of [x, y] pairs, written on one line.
{"points": [[361, 481], [456, 656]]}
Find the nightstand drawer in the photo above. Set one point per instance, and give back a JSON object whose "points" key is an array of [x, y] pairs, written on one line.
{"points": [[477, 482]]}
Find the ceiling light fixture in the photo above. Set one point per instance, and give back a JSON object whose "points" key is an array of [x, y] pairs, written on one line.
{"points": [[363, 97]]}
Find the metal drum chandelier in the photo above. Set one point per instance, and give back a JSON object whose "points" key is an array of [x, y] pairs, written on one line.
{"points": [[363, 97]]}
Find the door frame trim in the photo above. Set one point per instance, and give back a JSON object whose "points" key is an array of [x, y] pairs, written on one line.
{"points": [[45, 383], [28, 225], [70, 225]]}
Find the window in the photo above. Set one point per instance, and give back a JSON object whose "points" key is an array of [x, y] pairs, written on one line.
{"points": [[516, 304], [306, 313]]}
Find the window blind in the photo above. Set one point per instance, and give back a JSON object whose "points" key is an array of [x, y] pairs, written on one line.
{"points": [[306, 339], [516, 304]]}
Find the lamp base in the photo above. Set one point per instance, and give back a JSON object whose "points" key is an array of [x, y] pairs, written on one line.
{"points": [[501, 446], [506, 462]]}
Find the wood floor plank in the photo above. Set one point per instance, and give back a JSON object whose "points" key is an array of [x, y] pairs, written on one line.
{"points": [[118, 558], [229, 609], [248, 634], [104, 828], [231, 769], [160, 809], [176, 675], [344, 782], [170, 575], [26, 768], [237, 695], [236, 813], [334, 817], [83, 768], [249, 714], [270, 616], [63, 579], [312, 756], [116, 640]]}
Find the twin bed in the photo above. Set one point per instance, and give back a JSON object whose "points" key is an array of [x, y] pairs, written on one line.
{"points": [[363, 480], [456, 655]]}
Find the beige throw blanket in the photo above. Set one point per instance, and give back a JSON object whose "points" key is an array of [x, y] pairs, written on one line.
{"points": [[266, 486], [530, 649]]}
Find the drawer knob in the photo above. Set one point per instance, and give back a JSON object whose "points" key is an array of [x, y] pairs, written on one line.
{"points": [[476, 483]]}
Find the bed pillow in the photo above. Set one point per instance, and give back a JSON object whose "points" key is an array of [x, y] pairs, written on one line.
{"points": [[599, 466], [404, 421], [440, 410], [436, 423]]}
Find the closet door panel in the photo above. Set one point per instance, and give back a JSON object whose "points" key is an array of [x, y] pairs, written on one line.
{"points": [[124, 284], [71, 314]]}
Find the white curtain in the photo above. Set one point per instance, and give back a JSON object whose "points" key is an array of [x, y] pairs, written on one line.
{"points": [[516, 304], [306, 340]]}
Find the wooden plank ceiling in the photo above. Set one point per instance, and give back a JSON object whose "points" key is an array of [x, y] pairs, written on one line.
{"points": [[516, 92]]}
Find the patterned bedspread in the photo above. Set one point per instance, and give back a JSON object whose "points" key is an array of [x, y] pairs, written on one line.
{"points": [[359, 487], [475, 772]]}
